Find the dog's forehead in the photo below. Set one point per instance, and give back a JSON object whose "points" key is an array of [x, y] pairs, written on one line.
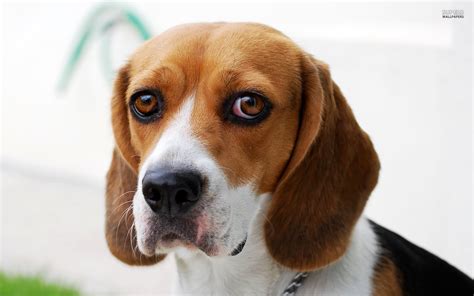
{"points": [[198, 47]]}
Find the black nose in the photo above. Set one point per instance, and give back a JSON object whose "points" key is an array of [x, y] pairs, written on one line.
{"points": [[171, 193]]}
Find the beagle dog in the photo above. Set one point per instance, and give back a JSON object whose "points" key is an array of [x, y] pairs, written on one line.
{"points": [[237, 152]]}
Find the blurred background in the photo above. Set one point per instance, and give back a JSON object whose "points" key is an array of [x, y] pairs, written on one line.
{"points": [[405, 70]]}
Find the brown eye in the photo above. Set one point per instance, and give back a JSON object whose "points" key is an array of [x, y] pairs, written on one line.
{"points": [[146, 105], [248, 106]]}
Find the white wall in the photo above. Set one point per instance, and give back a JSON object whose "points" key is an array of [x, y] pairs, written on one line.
{"points": [[405, 71]]}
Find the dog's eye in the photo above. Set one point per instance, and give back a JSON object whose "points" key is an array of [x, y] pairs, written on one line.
{"points": [[146, 105], [248, 106]]}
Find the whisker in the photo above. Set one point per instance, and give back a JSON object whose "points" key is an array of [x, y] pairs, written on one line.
{"points": [[128, 233], [118, 198], [131, 191], [139, 253], [131, 238], [120, 205], [121, 218], [135, 248]]}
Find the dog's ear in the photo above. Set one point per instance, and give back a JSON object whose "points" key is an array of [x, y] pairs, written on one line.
{"points": [[328, 179], [120, 118], [122, 185]]}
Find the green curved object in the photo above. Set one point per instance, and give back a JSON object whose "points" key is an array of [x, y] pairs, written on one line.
{"points": [[99, 21]]}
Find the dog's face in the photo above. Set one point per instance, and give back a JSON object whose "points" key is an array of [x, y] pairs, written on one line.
{"points": [[221, 127], [207, 118]]}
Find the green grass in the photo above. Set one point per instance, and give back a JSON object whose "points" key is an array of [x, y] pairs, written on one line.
{"points": [[19, 285]]}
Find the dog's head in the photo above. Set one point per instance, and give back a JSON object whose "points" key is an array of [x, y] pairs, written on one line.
{"points": [[209, 117]]}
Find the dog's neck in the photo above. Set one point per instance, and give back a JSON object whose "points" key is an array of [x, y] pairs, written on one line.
{"points": [[255, 272], [251, 272]]}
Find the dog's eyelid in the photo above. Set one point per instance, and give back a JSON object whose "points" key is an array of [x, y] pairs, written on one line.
{"points": [[259, 91], [135, 92]]}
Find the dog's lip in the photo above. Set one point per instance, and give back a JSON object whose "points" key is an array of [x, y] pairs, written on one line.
{"points": [[171, 236], [239, 247], [173, 239], [170, 240]]}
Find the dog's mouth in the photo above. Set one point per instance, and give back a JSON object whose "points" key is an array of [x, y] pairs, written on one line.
{"points": [[188, 239], [170, 237], [239, 248], [173, 239]]}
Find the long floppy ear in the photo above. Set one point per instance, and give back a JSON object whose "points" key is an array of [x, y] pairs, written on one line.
{"points": [[328, 179], [122, 184], [120, 120]]}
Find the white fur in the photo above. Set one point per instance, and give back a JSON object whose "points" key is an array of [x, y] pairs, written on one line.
{"points": [[239, 212]]}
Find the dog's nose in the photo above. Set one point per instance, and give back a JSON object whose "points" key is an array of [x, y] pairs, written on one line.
{"points": [[171, 193]]}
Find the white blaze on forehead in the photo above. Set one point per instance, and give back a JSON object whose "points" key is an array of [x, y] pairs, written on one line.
{"points": [[177, 146]]}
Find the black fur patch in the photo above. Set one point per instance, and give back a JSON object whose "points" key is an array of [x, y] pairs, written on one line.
{"points": [[420, 272]]}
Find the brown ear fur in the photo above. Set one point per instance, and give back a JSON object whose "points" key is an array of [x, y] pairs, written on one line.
{"points": [[120, 121], [328, 179], [122, 184]]}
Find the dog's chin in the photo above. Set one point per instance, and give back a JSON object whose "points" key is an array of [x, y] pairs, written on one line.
{"points": [[172, 241]]}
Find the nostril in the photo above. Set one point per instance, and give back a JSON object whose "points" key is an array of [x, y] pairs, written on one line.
{"points": [[153, 195], [181, 197]]}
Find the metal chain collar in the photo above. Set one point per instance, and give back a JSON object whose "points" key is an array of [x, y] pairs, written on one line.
{"points": [[295, 283]]}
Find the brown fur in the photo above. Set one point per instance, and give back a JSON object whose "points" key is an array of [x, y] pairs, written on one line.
{"points": [[386, 281], [310, 152]]}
